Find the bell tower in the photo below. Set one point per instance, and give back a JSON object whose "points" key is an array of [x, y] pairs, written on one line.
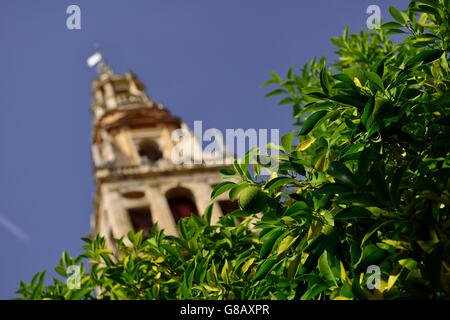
{"points": [[137, 181]]}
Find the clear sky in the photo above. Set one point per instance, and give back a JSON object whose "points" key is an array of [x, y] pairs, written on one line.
{"points": [[203, 59]]}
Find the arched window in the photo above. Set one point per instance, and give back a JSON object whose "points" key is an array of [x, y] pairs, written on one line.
{"points": [[227, 206], [141, 219], [149, 150], [181, 203]]}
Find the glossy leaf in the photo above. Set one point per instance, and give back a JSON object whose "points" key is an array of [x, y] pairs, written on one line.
{"points": [[396, 14], [426, 56], [375, 80], [311, 121], [265, 268], [221, 188], [286, 141], [342, 174]]}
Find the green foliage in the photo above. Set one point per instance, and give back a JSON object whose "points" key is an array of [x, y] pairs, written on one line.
{"points": [[364, 182], [206, 261]]}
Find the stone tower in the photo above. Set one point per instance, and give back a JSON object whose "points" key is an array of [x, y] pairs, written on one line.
{"points": [[137, 183]]}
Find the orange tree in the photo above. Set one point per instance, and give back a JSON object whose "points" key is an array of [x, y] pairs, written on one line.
{"points": [[357, 208]]}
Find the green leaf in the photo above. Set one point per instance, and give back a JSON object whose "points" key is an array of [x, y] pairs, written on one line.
{"points": [[286, 243], [221, 188], [243, 256], [317, 95], [247, 265], [320, 164], [311, 122], [391, 25], [289, 73], [182, 229], [408, 263], [268, 82], [138, 239], [357, 291], [81, 293], [371, 254], [426, 56], [394, 31], [434, 3], [383, 109], [276, 77], [234, 192], [265, 268], [187, 280], [37, 291], [287, 100], [237, 167], [328, 267], [353, 213], [342, 173], [61, 271], [313, 291], [377, 177], [333, 188], [344, 78], [339, 42], [429, 10], [224, 272], [297, 206], [275, 92], [208, 213], [324, 81], [377, 226], [131, 236], [313, 107], [315, 286], [267, 246], [396, 14], [345, 33], [358, 199], [395, 184], [349, 100], [368, 108], [286, 141], [278, 181], [375, 80], [242, 164], [305, 144], [364, 161], [378, 68], [227, 172]]}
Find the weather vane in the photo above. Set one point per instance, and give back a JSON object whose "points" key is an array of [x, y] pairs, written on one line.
{"points": [[98, 59]]}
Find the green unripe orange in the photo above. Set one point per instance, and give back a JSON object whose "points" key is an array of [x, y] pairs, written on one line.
{"points": [[252, 200]]}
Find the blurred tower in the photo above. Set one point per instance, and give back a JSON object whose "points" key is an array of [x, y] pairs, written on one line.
{"points": [[137, 183]]}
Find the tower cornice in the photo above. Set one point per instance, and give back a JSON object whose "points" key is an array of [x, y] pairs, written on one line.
{"points": [[143, 117]]}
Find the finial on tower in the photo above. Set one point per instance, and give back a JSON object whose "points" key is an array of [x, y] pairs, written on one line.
{"points": [[98, 59]]}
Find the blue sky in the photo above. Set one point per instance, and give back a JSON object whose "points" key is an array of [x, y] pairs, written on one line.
{"points": [[203, 59]]}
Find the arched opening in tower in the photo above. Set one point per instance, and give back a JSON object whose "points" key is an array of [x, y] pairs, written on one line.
{"points": [[228, 206], [141, 219], [181, 203], [149, 150]]}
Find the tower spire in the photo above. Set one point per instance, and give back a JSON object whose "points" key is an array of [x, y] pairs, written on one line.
{"points": [[98, 59]]}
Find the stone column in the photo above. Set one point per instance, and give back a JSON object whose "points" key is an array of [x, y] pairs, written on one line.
{"points": [[103, 223], [202, 193], [117, 214], [160, 210]]}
